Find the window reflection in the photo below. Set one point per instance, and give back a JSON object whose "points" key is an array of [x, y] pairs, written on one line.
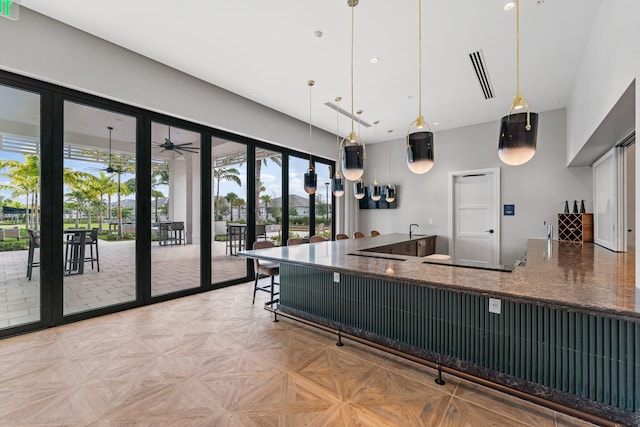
{"points": [[229, 205], [175, 209], [99, 231]]}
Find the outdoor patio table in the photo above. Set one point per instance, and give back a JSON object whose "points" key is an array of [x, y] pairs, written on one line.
{"points": [[74, 252]]}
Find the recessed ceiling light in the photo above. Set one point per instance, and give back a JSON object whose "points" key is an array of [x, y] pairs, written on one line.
{"points": [[436, 123], [374, 60], [509, 5], [317, 34], [254, 94]]}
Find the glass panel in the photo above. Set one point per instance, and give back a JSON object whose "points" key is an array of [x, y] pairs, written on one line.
{"points": [[323, 201], [298, 198], [99, 201], [229, 203], [269, 196], [19, 209], [175, 223]]}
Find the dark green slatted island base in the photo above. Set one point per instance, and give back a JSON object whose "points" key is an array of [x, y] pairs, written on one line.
{"points": [[568, 329]]}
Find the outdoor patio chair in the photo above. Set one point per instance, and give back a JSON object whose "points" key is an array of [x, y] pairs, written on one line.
{"points": [[34, 243]]}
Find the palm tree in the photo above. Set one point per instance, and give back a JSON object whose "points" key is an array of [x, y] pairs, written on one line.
{"points": [[238, 203], [231, 198], [224, 174], [266, 199], [25, 181], [158, 177], [156, 194], [104, 185], [258, 184]]}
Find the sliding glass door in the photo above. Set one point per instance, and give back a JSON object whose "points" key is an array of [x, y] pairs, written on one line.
{"points": [[175, 207], [20, 179], [99, 231]]}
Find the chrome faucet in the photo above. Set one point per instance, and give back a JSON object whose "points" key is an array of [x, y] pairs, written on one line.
{"points": [[411, 229], [549, 230]]}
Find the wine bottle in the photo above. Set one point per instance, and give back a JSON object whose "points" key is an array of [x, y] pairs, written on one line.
{"points": [[575, 206], [582, 209], [566, 206]]}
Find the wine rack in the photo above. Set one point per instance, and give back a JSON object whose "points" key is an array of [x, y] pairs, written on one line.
{"points": [[577, 227]]}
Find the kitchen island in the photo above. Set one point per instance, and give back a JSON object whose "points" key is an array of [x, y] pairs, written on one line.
{"points": [[568, 330]]}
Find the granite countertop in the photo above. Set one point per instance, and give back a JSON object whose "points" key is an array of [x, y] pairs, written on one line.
{"points": [[583, 277]]}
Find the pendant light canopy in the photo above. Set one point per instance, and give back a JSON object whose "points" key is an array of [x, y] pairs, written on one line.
{"points": [[376, 189], [353, 154], [518, 132], [337, 183], [310, 177], [390, 191], [420, 140]]}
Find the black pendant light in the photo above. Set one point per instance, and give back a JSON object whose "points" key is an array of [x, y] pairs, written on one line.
{"points": [[376, 189], [310, 177], [390, 190], [359, 189], [420, 141], [337, 183], [519, 131], [353, 154]]}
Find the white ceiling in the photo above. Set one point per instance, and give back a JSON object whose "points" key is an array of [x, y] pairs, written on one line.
{"points": [[265, 51]]}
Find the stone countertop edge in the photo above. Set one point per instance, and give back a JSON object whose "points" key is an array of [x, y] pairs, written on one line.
{"points": [[576, 277]]}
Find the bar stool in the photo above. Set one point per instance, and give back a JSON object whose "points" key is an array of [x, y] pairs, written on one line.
{"points": [[34, 243], [92, 241], [72, 253], [265, 269], [295, 241]]}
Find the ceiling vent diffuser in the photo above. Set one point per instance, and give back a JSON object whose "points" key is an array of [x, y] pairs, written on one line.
{"points": [[477, 60]]}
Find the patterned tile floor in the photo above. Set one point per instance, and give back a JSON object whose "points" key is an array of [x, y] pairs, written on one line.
{"points": [[213, 359]]}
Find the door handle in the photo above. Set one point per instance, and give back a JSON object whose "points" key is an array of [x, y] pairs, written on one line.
{"points": [[489, 231]]}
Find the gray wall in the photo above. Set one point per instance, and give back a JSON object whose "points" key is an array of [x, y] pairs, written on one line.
{"points": [[537, 188], [40, 47]]}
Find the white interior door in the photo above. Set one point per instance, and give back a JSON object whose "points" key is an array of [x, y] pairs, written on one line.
{"points": [[475, 216], [608, 191]]}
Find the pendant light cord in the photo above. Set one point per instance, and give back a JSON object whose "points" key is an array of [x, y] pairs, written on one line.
{"points": [[420, 54], [353, 6], [310, 83], [519, 98], [389, 157], [338, 99], [375, 166], [518, 48]]}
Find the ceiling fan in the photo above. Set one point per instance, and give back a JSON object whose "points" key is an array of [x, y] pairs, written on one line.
{"points": [[109, 168], [168, 145]]}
